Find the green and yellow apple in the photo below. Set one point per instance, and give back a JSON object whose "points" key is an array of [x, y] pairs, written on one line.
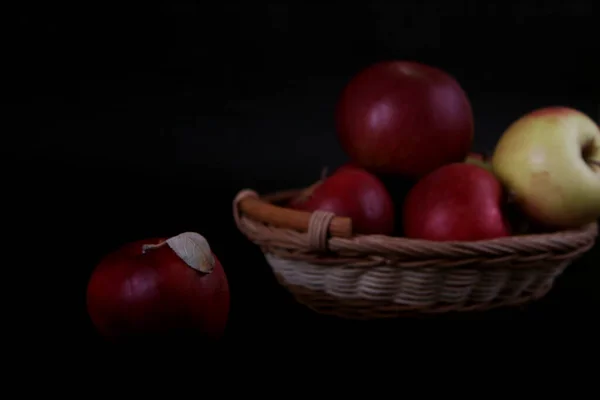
{"points": [[549, 160]]}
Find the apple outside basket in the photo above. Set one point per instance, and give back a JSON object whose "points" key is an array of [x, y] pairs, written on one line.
{"points": [[333, 271]]}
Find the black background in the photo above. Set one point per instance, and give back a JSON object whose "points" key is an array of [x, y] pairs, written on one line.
{"points": [[127, 123]]}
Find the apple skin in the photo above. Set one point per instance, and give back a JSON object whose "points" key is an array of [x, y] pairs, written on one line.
{"points": [[132, 294], [545, 159], [404, 118], [457, 202], [355, 193]]}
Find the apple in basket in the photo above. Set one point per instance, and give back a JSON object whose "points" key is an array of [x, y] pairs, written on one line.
{"points": [[549, 159], [354, 193], [457, 202], [404, 118], [160, 287]]}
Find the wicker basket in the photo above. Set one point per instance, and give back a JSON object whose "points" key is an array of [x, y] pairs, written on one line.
{"points": [[327, 268]]}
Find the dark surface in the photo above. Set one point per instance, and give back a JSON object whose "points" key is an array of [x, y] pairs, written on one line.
{"points": [[141, 123]]}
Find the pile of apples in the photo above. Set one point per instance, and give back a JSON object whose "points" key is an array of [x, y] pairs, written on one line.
{"points": [[408, 130]]}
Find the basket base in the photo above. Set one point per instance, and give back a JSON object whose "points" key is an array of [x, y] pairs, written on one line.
{"points": [[362, 309], [385, 292]]}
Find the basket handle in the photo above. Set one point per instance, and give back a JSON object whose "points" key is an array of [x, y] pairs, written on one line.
{"points": [[262, 211]]}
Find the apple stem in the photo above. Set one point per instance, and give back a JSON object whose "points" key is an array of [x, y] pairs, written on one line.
{"points": [[147, 247]]}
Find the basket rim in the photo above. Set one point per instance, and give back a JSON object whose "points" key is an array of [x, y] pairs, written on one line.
{"points": [[270, 236]]}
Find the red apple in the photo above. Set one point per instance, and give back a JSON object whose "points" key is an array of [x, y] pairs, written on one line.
{"points": [[404, 118], [160, 287], [355, 193], [457, 202]]}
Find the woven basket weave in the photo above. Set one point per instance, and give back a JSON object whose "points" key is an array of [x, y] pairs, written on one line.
{"points": [[330, 270]]}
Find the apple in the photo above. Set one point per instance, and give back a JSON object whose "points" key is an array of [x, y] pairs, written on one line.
{"points": [[355, 193], [156, 287], [480, 160], [457, 202], [404, 118], [549, 159]]}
